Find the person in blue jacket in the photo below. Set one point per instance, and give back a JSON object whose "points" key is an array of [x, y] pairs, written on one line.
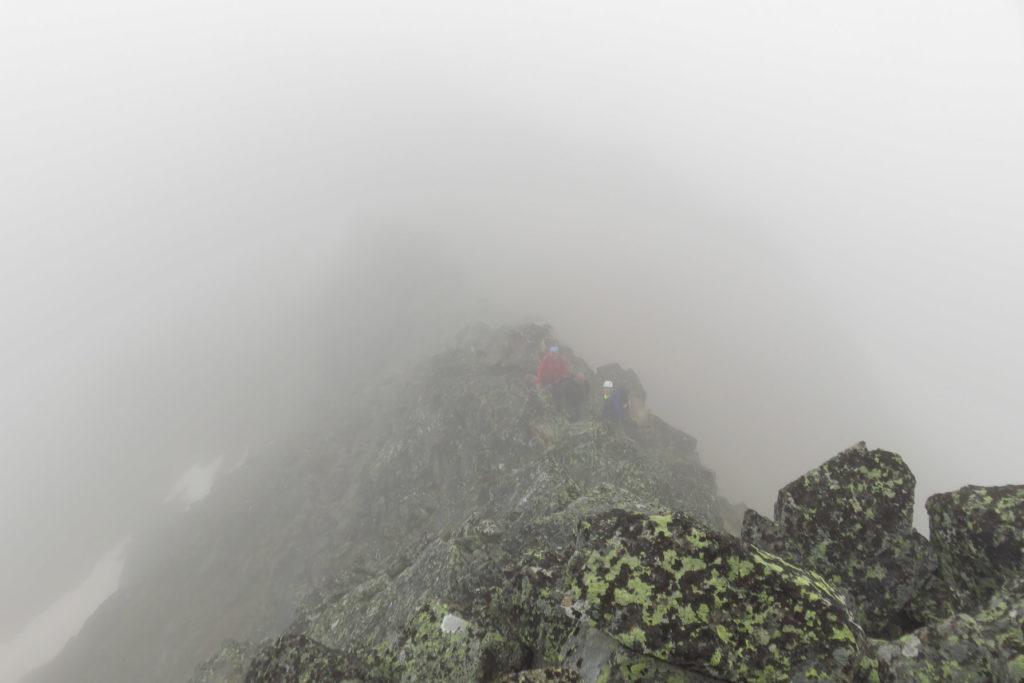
{"points": [[612, 410]]}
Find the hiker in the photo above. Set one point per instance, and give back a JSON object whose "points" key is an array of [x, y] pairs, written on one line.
{"points": [[574, 395], [552, 368], [613, 409]]}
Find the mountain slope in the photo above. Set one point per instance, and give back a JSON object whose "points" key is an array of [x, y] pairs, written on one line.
{"points": [[392, 463]]}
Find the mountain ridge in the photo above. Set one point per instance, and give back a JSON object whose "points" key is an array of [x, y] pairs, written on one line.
{"points": [[452, 522]]}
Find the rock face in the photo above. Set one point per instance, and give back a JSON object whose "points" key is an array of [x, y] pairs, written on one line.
{"points": [[499, 533], [442, 459], [851, 520]]}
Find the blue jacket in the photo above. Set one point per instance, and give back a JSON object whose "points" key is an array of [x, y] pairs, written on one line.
{"points": [[612, 410]]}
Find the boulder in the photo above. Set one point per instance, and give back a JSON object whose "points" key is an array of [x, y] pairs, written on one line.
{"points": [[851, 520], [672, 589], [978, 535]]}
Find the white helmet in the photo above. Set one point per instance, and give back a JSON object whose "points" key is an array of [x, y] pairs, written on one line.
{"points": [[608, 384]]}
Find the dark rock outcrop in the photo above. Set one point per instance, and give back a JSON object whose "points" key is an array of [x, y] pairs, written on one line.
{"points": [[958, 599], [978, 535], [851, 520]]}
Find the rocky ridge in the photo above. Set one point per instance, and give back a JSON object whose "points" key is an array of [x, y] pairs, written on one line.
{"points": [[452, 524], [599, 554]]}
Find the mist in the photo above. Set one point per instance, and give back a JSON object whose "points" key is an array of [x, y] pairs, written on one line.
{"points": [[799, 224]]}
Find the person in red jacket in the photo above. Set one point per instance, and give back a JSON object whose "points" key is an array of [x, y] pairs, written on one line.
{"points": [[552, 368]]}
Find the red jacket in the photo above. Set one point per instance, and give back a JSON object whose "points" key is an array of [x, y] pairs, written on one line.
{"points": [[551, 369]]}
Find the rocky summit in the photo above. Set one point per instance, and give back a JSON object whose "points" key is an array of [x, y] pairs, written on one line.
{"points": [[454, 523]]}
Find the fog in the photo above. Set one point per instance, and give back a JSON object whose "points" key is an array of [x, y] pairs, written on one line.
{"points": [[799, 223]]}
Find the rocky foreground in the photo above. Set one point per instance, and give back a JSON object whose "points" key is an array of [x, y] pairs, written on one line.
{"points": [[501, 542]]}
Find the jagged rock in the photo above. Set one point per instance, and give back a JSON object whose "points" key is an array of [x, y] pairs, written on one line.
{"points": [[680, 592], [515, 586], [986, 646], [227, 666], [433, 645], [300, 658], [851, 520], [427, 651], [978, 534], [553, 675]]}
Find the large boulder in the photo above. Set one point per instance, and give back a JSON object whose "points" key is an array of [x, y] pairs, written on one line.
{"points": [[672, 589], [978, 534], [851, 520]]}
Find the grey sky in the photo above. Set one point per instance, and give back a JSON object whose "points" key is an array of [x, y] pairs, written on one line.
{"points": [[800, 222]]}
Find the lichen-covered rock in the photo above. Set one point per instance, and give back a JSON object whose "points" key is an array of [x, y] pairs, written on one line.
{"points": [[851, 520], [438, 645], [435, 644], [559, 674], [978, 534], [228, 665], [765, 534], [987, 646], [672, 589], [599, 657], [300, 658]]}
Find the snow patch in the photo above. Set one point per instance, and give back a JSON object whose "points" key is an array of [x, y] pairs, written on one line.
{"points": [[45, 636], [194, 485]]}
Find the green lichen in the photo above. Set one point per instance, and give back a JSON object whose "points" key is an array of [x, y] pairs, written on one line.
{"points": [[708, 602]]}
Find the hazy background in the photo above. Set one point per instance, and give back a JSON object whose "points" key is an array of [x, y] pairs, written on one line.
{"points": [[801, 224]]}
